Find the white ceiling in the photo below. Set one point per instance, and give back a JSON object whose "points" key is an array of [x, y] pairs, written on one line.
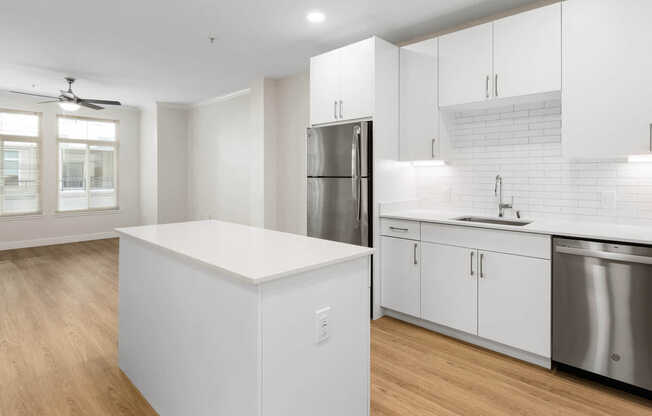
{"points": [[158, 50]]}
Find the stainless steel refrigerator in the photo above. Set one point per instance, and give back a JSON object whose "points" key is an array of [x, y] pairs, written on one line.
{"points": [[339, 183]]}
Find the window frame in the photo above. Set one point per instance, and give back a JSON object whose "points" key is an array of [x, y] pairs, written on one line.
{"points": [[38, 139], [103, 143]]}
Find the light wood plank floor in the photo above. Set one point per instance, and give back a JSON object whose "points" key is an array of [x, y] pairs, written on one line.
{"points": [[58, 354]]}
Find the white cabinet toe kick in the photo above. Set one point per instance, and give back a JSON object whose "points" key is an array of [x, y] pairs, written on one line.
{"points": [[487, 287]]}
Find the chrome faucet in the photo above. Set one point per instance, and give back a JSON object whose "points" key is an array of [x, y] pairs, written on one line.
{"points": [[498, 191]]}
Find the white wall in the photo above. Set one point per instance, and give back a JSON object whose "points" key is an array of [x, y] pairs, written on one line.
{"points": [[148, 166], [246, 160], [50, 227], [258, 97], [523, 144], [293, 118], [271, 152], [172, 163], [223, 161]]}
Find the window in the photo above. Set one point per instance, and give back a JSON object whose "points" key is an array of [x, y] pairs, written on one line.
{"points": [[88, 173], [20, 176]]}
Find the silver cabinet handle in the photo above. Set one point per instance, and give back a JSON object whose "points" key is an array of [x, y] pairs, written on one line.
{"points": [[415, 253], [481, 261], [403, 230], [432, 148], [335, 109], [650, 137], [486, 86], [341, 105], [496, 86], [472, 272]]}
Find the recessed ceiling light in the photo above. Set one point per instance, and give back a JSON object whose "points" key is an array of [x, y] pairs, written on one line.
{"points": [[316, 17]]}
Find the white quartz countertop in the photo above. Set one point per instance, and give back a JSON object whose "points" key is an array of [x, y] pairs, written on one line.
{"points": [[253, 254], [577, 229]]}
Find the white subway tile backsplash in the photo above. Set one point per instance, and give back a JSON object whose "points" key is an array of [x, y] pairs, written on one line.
{"points": [[523, 144]]}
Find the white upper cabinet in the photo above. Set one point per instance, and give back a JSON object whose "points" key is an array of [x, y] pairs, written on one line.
{"points": [[465, 67], [419, 113], [324, 87], [527, 53], [357, 79], [607, 88], [512, 57], [342, 83]]}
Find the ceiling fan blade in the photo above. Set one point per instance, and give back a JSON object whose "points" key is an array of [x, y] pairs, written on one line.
{"points": [[105, 102], [35, 95], [89, 105], [47, 102]]}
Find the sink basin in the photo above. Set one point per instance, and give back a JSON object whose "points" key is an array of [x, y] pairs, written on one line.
{"points": [[498, 221]]}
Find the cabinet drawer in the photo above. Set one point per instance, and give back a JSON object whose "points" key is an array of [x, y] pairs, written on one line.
{"points": [[511, 242], [400, 228]]}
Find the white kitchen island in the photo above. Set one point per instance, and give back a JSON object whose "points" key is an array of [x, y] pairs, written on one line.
{"points": [[224, 319]]}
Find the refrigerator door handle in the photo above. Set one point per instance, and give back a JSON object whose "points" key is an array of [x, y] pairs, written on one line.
{"points": [[358, 142], [359, 201], [355, 173], [357, 197], [354, 158], [357, 131]]}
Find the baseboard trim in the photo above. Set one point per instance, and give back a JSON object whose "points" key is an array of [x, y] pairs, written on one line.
{"points": [[12, 245], [473, 339]]}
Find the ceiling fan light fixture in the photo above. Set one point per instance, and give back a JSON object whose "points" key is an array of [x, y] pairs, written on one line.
{"points": [[69, 101], [68, 106]]}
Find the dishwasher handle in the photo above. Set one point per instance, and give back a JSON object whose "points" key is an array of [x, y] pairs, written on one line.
{"points": [[606, 255]]}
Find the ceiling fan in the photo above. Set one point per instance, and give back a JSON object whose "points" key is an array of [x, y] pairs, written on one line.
{"points": [[69, 101]]}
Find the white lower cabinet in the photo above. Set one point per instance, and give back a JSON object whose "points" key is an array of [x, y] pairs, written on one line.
{"points": [[514, 301], [399, 273], [451, 276], [449, 291]]}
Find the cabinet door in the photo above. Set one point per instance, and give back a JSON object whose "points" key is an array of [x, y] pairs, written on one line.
{"points": [[399, 273], [324, 87], [357, 80], [607, 88], [449, 291], [514, 301], [465, 67], [527, 52], [419, 113]]}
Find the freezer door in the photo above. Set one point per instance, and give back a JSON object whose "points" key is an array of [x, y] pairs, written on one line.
{"points": [[338, 209], [338, 151]]}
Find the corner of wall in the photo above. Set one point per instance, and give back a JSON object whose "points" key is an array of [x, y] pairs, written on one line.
{"points": [[148, 165]]}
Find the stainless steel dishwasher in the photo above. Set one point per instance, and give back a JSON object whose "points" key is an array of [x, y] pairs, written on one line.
{"points": [[602, 309]]}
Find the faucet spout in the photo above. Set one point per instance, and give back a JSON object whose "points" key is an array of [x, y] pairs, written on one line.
{"points": [[498, 191]]}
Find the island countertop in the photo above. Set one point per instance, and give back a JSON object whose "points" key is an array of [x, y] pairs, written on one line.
{"points": [[253, 254]]}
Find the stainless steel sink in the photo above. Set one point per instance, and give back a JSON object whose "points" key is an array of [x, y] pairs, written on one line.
{"points": [[499, 221]]}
